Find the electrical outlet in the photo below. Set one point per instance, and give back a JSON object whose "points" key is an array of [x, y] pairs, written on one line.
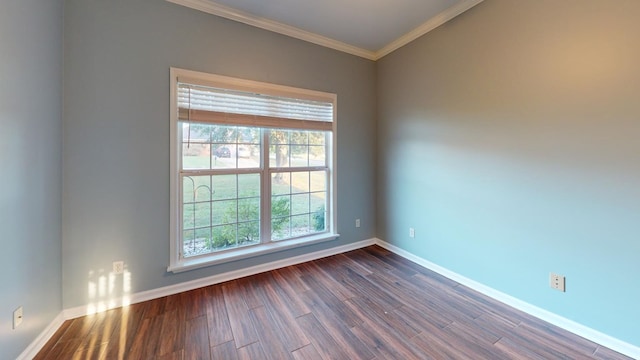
{"points": [[357, 223], [118, 267], [17, 317], [556, 282], [412, 232]]}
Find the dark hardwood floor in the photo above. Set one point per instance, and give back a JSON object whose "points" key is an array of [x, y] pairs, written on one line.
{"points": [[365, 304]]}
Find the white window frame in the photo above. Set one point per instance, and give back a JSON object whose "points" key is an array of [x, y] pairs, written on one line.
{"points": [[178, 263]]}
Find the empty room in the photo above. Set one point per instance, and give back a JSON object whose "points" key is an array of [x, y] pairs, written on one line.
{"points": [[242, 179]]}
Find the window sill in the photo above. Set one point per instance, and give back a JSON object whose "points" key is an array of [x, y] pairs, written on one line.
{"points": [[248, 252]]}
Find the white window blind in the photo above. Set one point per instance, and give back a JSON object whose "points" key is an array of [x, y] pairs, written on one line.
{"points": [[209, 104]]}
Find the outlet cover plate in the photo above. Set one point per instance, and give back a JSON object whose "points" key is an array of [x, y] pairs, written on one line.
{"points": [[557, 282], [118, 267], [17, 317]]}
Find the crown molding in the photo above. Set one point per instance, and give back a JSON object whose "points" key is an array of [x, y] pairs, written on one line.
{"points": [[427, 26], [213, 8], [277, 27]]}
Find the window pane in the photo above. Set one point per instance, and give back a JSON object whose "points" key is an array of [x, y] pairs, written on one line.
{"points": [[299, 225], [222, 151], [279, 137], [223, 134], [280, 183], [254, 151], [316, 137], [219, 208], [318, 180], [202, 191], [189, 243], [232, 208], [203, 234], [196, 156], [188, 236], [196, 189], [297, 148], [248, 156], [318, 220], [300, 182], [206, 146], [299, 137], [280, 228], [224, 237], [199, 244], [248, 185], [308, 208], [249, 135], [225, 212], [317, 200], [318, 206], [188, 216], [195, 133], [249, 209], [224, 187], [202, 213], [317, 156], [299, 155], [280, 206], [222, 157], [248, 233], [279, 156], [300, 204], [244, 158], [188, 187]]}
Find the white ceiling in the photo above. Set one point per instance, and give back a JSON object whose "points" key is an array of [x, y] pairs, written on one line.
{"points": [[367, 28]]}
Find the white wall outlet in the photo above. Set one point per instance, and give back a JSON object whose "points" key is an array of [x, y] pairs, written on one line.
{"points": [[556, 282], [17, 317], [357, 223], [118, 267], [412, 232]]}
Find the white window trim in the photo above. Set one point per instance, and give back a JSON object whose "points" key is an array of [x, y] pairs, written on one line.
{"points": [[178, 264]]}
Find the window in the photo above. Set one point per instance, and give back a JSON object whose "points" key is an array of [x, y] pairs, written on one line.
{"points": [[251, 168]]}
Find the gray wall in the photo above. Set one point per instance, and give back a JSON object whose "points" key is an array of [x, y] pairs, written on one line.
{"points": [[116, 131], [509, 138], [30, 159]]}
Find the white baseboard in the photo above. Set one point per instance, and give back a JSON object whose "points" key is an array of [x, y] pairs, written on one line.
{"points": [[215, 279], [557, 320], [32, 350]]}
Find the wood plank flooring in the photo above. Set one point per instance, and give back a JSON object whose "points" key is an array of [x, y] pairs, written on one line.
{"points": [[365, 304]]}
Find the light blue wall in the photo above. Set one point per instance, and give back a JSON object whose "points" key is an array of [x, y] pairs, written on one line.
{"points": [[116, 131], [30, 164], [509, 138]]}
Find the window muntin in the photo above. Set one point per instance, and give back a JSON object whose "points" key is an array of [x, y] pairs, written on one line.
{"points": [[206, 147], [221, 190], [249, 182], [297, 148], [219, 212], [306, 193]]}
